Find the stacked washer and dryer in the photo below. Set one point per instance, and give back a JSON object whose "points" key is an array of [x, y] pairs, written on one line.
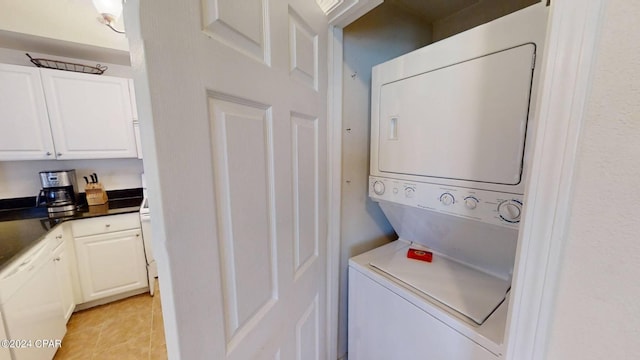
{"points": [[451, 138]]}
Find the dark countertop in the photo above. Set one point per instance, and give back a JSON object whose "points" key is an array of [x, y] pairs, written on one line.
{"points": [[22, 228]]}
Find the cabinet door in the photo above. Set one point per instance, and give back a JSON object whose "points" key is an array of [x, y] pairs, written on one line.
{"points": [[110, 263], [63, 273], [136, 118], [24, 123], [90, 115]]}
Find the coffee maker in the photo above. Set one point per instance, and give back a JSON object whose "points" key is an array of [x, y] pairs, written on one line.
{"points": [[59, 192]]}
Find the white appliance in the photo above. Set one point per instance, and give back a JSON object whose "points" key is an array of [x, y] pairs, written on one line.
{"points": [[31, 305], [145, 222], [450, 138]]}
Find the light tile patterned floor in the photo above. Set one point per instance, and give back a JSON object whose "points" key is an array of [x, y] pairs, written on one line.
{"points": [[129, 329]]}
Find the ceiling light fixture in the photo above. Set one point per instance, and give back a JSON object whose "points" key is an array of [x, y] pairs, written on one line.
{"points": [[110, 11]]}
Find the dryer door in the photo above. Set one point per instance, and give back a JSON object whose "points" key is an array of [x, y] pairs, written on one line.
{"points": [[466, 121]]}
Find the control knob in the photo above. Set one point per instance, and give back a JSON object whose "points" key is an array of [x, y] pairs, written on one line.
{"points": [[471, 202], [409, 192], [447, 199], [510, 211], [378, 187]]}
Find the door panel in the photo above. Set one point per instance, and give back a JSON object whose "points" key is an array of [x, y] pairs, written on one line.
{"points": [[241, 25], [243, 168], [303, 48], [305, 190], [239, 105], [307, 331]]}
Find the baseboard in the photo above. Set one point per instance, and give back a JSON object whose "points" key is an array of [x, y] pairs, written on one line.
{"points": [[110, 299]]}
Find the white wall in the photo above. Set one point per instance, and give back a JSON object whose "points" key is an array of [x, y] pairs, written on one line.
{"points": [[69, 20], [20, 178], [597, 313], [383, 34]]}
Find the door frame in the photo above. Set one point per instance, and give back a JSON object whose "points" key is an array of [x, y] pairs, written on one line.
{"points": [[571, 47], [572, 35], [334, 173], [565, 86]]}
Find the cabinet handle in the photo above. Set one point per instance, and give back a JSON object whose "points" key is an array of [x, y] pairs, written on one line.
{"points": [[59, 237], [59, 154], [48, 153], [138, 235], [108, 225], [57, 259]]}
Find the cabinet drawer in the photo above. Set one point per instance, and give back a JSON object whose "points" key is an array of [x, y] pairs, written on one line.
{"points": [[104, 224]]}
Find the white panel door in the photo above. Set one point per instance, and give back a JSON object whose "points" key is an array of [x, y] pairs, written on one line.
{"points": [[239, 111], [24, 123], [90, 115]]}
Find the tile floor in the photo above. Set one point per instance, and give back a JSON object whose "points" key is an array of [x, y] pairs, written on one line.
{"points": [[129, 329]]}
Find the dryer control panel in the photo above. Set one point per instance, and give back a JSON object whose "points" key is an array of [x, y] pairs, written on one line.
{"points": [[491, 207]]}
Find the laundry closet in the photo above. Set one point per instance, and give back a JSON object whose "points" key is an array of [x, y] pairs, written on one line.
{"points": [[395, 28]]}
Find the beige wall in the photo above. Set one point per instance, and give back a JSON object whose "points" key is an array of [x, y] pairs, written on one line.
{"points": [[597, 313], [383, 34], [481, 12]]}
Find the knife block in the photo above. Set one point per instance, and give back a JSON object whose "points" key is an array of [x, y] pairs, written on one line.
{"points": [[95, 194]]}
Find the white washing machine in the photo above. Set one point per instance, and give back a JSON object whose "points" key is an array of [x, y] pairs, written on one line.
{"points": [[451, 130], [390, 319], [454, 307]]}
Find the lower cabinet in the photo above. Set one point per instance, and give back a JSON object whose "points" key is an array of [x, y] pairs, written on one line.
{"points": [[61, 260], [110, 263]]}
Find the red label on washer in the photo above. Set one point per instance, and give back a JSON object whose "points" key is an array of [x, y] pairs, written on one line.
{"points": [[421, 255]]}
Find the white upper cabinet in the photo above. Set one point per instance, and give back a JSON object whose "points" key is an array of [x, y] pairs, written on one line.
{"points": [[90, 115], [24, 124]]}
